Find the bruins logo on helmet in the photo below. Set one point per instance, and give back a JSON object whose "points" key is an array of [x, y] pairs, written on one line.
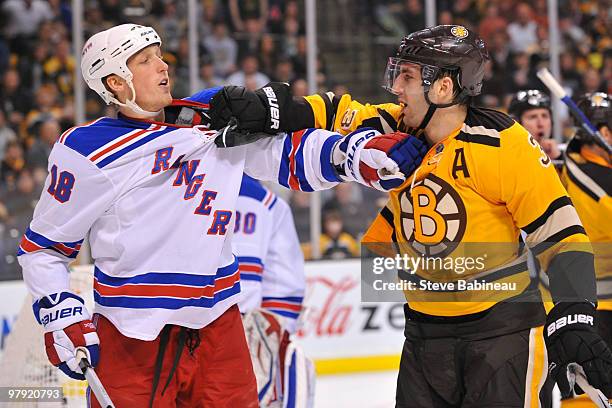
{"points": [[459, 31], [433, 217]]}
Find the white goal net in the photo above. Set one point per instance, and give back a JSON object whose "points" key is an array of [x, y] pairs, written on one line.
{"points": [[24, 363]]}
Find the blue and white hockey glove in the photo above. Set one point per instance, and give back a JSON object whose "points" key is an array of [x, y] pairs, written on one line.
{"points": [[379, 161], [67, 325]]}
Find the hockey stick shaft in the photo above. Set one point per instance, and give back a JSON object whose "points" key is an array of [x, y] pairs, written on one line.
{"points": [[556, 89], [92, 379], [598, 397]]}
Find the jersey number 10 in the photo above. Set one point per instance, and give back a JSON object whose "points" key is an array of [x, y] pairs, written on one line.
{"points": [[61, 187]]}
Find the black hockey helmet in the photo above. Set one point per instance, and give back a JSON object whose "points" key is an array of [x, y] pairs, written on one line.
{"points": [[597, 107], [444, 48], [523, 101]]}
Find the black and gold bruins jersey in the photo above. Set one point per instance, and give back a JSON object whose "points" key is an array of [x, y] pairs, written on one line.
{"points": [[343, 114], [588, 180], [484, 183]]}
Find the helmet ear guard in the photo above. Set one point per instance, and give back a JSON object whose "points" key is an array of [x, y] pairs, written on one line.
{"points": [[107, 53]]}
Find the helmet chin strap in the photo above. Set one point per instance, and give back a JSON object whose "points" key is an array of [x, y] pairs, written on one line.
{"points": [[432, 108], [132, 105]]}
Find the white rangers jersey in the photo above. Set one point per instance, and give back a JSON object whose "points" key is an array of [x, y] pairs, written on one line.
{"points": [[158, 202], [269, 256]]}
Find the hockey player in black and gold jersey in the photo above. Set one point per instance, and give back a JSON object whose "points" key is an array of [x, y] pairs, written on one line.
{"points": [[587, 175], [482, 181]]}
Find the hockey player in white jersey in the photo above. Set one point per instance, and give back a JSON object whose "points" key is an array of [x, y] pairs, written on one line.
{"points": [[272, 283], [156, 198]]}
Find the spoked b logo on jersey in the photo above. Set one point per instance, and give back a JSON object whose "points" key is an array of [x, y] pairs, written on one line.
{"points": [[427, 258]]}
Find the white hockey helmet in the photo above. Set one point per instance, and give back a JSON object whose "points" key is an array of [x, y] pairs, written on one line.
{"points": [[108, 51]]}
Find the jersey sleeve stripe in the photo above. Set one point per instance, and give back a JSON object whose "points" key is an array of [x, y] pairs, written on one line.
{"points": [[32, 242], [329, 110], [557, 237], [387, 215], [583, 181], [133, 144], [542, 219], [250, 260], [327, 166], [273, 203], [250, 277], [559, 220], [251, 268], [299, 163], [292, 299], [281, 305], [118, 143]]}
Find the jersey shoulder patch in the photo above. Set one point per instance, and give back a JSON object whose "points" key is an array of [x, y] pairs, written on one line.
{"points": [[105, 139]]}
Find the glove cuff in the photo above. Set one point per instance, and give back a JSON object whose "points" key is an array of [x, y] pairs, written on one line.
{"points": [[60, 310], [569, 316]]}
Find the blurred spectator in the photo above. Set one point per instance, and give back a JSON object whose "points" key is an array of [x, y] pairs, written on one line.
{"points": [[111, 10], [275, 16], [591, 82], [413, 17], [283, 72], [208, 79], [268, 54], [23, 200], [47, 107], [571, 77], [335, 243], [520, 72], [7, 135], [62, 12], [22, 18], [292, 29], [300, 209], [299, 87], [31, 67], [4, 53], [522, 31], [209, 13], [299, 58], [445, 17], [491, 23], [60, 68], [248, 15], [12, 164], [46, 134], [180, 70], [387, 17], [348, 200], [172, 28], [94, 19], [16, 100], [249, 75], [223, 50], [465, 13]]}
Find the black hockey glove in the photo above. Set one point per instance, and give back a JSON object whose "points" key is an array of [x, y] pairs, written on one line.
{"points": [[263, 110], [571, 337], [231, 136]]}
